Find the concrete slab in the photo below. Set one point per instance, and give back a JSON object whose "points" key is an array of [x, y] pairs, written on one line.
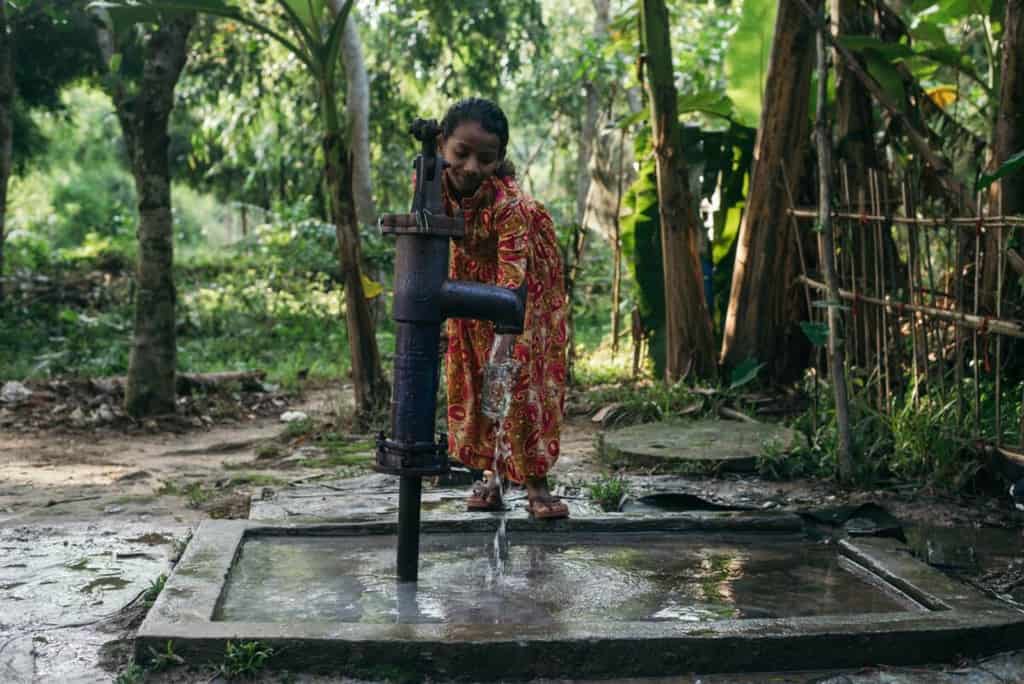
{"points": [[694, 445], [375, 497], [943, 618]]}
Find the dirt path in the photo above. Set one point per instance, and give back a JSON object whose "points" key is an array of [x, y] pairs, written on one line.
{"points": [[89, 520]]}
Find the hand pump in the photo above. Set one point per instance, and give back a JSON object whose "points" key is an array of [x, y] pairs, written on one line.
{"points": [[423, 299]]}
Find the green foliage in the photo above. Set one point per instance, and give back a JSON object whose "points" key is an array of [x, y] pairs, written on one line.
{"points": [[744, 373], [721, 160], [53, 45], [165, 659], [1013, 164], [652, 401], [153, 590], [133, 673], [608, 491], [816, 332], [641, 242], [746, 60], [922, 441], [272, 301], [80, 186], [244, 659]]}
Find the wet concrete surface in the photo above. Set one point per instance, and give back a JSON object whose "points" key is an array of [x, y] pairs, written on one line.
{"points": [[534, 579], [68, 589]]}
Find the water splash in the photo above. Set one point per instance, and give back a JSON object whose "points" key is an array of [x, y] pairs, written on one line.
{"points": [[499, 374]]}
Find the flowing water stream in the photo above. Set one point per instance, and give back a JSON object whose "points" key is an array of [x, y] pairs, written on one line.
{"points": [[498, 379]]}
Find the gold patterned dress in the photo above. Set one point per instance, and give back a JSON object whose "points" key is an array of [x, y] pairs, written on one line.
{"points": [[509, 238]]}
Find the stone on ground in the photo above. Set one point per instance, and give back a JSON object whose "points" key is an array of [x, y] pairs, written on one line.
{"points": [[695, 444]]}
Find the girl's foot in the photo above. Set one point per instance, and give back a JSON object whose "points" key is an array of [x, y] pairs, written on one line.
{"points": [[486, 495], [542, 505]]}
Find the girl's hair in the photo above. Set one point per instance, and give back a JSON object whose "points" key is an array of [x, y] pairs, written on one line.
{"points": [[491, 119]]}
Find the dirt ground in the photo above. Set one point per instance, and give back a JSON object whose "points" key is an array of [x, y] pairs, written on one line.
{"points": [[95, 508]]}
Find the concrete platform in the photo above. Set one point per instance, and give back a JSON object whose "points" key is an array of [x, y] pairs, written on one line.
{"points": [[694, 445], [941, 619]]}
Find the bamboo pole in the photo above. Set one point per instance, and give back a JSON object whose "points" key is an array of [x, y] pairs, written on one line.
{"points": [[965, 222], [977, 300], [958, 331], [1000, 261], [827, 251], [617, 260], [853, 319], [880, 289], [965, 320]]}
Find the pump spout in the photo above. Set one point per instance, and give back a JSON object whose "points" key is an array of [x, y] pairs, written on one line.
{"points": [[504, 306]]}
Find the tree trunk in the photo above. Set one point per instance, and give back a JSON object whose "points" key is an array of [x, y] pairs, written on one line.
{"points": [[6, 126], [689, 342], [588, 127], [357, 107], [370, 385], [144, 116], [761, 320], [1006, 196], [855, 126]]}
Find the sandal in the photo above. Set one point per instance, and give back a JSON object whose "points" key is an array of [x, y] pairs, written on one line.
{"points": [[550, 509], [485, 496]]}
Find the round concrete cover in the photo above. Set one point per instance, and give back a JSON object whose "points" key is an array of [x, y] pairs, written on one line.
{"points": [[731, 445]]}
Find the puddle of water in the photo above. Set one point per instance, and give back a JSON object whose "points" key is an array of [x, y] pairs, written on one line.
{"points": [[628, 577]]}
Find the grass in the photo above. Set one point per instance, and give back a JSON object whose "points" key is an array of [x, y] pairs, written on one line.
{"points": [[340, 452], [244, 659], [608, 491], [151, 593], [254, 480], [165, 659], [133, 673]]}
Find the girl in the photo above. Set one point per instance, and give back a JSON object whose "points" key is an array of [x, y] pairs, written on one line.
{"points": [[510, 239]]}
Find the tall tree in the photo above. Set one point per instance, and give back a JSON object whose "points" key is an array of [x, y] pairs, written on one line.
{"points": [[311, 32], [689, 338], [357, 109], [6, 125], [761, 320], [1006, 196], [588, 124], [144, 100]]}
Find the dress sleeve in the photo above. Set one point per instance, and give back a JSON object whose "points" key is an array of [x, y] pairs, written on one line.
{"points": [[513, 232]]}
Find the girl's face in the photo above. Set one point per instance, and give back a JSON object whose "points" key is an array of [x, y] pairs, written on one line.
{"points": [[473, 155]]}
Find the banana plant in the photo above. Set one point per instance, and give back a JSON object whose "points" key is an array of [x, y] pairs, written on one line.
{"points": [[311, 31]]}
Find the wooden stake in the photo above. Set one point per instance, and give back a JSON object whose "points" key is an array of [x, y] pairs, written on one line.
{"points": [[827, 250]]}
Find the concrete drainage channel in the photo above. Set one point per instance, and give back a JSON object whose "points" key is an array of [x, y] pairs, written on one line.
{"points": [[617, 596]]}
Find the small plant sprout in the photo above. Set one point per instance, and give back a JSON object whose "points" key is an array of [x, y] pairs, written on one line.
{"points": [[244, 659], [154, 589], [609, 492], [166, 659]]}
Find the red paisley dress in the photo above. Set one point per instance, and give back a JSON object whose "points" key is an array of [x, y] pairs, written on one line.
{"points": [[509, 238]]}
